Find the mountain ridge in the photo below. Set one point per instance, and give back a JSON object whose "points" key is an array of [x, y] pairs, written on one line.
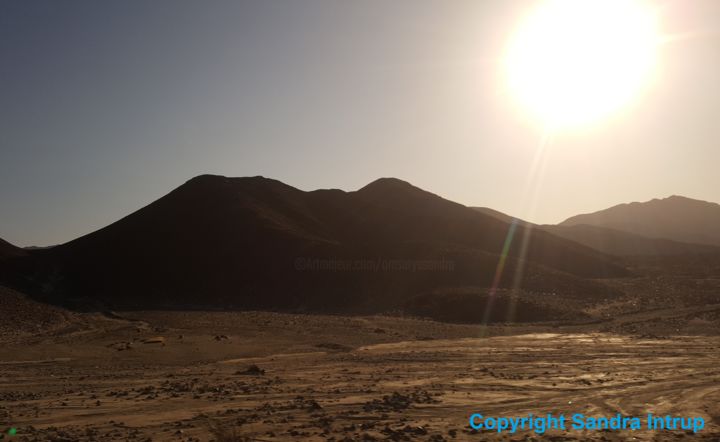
{"points": [[677, 218], [612, 241], [222, 241]]}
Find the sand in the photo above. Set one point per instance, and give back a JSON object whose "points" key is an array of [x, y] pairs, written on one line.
{"points": [[268, 376]]}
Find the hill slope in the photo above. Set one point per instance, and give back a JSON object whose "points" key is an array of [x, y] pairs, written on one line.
{"points": [[259, 243], [616, 242], [676, 218], [27, 317], [504, 217]]}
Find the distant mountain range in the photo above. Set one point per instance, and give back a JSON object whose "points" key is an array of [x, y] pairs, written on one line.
{"points": [[658, 227], [258, 243], [676, 218]]}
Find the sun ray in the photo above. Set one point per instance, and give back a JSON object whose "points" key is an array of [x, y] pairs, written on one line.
{"points": [[531, 192]]}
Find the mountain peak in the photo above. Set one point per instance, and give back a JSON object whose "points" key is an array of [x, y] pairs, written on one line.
{"points": [[685, 199], [208, 184], [218, 179], [403, 196], [387, 183], [206, 177]]}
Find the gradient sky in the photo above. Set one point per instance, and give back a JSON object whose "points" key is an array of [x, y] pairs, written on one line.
{"points": [[106, 106]]}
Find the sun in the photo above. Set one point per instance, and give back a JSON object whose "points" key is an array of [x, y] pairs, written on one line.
{"points": [[572, 62]]}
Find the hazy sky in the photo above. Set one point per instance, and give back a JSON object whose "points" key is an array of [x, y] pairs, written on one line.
{"points": [[107, 105]]}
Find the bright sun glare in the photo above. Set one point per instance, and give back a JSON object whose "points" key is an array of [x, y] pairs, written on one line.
{"points": [[575, 61]]}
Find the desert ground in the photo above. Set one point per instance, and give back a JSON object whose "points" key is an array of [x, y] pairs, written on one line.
{"points": [[203, 376]]}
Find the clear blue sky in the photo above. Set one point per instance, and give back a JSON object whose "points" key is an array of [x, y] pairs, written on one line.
{"points": [[107, 105]]}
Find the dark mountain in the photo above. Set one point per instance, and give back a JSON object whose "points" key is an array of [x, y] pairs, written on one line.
{"points": [[613, 242], [8, 250], [258, 243], [10, 258], [676, 218]]}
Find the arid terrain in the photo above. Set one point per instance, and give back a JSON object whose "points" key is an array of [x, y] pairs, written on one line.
{"points": [[357, 221], [234, 309], [202, 376]]}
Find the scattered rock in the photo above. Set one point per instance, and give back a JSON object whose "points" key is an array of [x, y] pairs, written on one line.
{"points": [[333, 346], [252, 370], [154, 340]]}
